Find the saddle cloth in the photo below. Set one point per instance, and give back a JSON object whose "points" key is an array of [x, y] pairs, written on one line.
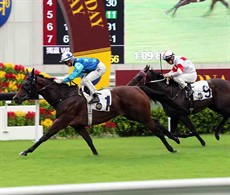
{"points": [[201, 90], [104, 104], [105, 100]]}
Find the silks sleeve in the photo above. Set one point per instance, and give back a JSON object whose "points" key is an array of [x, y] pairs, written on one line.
{"points": [[77, 72]]}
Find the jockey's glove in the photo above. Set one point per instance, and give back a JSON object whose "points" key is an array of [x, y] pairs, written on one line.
{"points": [[57, 80]]}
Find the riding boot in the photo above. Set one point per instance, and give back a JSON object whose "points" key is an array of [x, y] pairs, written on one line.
{"points": [[189, 91], [95, 99]]}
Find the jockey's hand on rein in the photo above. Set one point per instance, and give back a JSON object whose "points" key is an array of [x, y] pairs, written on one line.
{"points": [[57, 80], [166, 76]]}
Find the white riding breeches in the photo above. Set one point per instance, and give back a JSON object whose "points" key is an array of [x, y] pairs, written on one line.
{"points": [[93, 75], [182, 79]]}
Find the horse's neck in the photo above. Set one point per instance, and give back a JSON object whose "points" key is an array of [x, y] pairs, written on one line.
{"points": [[160, 91], [159, 87]]}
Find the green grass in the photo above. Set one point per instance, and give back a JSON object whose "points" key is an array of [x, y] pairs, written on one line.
{"points": [[201, 39], [120, 159]]}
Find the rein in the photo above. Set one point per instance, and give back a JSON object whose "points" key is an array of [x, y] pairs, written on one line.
{"points": [[43, 88], [54, 103], [156, 81]]}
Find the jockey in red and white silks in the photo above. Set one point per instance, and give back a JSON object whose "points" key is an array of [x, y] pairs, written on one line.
{"points": [[183, 70]]}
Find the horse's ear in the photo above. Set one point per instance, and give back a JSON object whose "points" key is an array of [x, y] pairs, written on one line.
{"points": [[27, 72], [146, 68], [32, 73]]}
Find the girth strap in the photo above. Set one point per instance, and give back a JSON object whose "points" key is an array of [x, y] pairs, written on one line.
{"points": [[191, 103]]}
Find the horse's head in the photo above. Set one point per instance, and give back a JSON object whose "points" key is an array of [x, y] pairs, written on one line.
{"points": [[28, 89], [140, 78]]}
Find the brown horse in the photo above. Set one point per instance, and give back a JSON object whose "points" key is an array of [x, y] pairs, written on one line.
{"points": [[186, 2], [177, 106], [71, 108]]}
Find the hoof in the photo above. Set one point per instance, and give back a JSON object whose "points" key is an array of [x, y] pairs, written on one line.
{"points": [[177, 140], [23, 154], [217, 137], [171, 150]]}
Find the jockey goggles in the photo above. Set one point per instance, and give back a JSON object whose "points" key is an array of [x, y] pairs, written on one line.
{"points": [[66, 62], [168, 59]]}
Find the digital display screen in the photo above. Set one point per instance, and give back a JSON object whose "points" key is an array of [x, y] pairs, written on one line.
{"points": [[55, 31]]}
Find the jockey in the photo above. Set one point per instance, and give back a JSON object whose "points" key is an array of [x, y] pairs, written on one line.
{"points": [[89, 69], [182, 72]]}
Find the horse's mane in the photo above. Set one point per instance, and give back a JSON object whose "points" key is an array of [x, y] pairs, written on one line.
{"points": [[64, 85], [157, 74]]}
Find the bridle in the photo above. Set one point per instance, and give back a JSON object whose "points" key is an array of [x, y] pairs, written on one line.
{"points": [[31, 90]]}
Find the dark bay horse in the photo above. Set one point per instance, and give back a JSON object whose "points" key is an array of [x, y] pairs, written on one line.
{"points": [[186, 2], [71, 108], [175, 103]]}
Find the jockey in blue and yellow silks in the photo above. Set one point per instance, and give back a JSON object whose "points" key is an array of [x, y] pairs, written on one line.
{"points": [[89, 69]]}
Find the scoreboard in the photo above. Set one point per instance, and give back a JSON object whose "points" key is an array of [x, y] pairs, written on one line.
{"points": [[114, 10], [55, 31]]}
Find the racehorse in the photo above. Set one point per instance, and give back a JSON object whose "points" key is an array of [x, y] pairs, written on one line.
{"points": [[177, 106], [71, 108], [186, 2]]}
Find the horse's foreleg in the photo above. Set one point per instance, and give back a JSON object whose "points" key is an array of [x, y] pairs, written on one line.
{"points": [[218, 127], [153, 126], [174, 130], [173, 124], [57, 126], [167, 133], [82, 131], [189, 124], [160, 135]]}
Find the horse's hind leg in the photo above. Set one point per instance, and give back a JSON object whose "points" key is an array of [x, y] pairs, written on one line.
{"points": [[215, 1], [218, 127], [181, 3], [189, 124], [212, 5], [82, 131], [174, 7], [226, 4], [170, 10]]}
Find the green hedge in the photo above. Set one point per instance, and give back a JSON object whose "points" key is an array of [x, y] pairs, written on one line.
{"points": [[204, 122]]}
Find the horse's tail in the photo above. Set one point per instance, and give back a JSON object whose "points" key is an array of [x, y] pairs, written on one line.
{"points": [[156, 95]]}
